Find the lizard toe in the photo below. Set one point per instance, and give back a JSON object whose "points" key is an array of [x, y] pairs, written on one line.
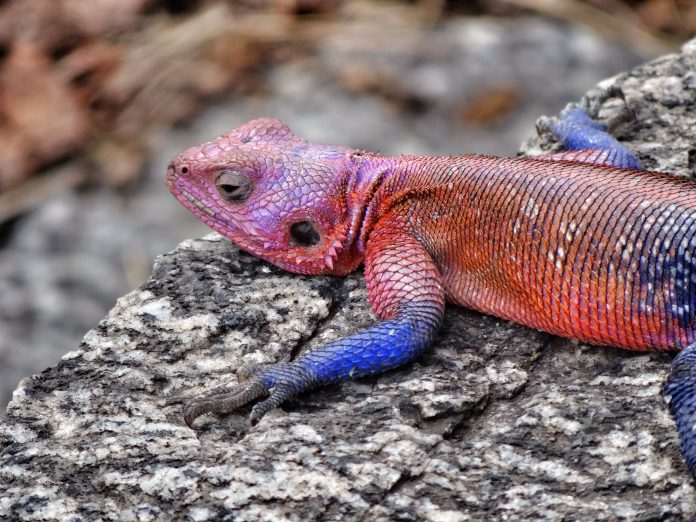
{"points": [[279, 395], [594, 104], [545, 125], [224, 402], [622, 115]]}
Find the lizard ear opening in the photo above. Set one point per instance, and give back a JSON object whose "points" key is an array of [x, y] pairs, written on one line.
{"points": [[304, 233]]}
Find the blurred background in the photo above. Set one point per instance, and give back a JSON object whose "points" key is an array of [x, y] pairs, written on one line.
{"points": [[96, 97]]}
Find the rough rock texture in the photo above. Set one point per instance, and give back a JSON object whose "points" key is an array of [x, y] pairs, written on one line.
{"points": [[496, 422]]}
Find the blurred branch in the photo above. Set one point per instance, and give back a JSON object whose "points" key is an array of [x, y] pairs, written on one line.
{"points": [[621, 24], [37, 189], [76, 91]]}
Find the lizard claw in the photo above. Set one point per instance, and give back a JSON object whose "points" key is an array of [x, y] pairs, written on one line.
{"points": [[226, 402], [275, 383], [625, 115], [279, 394], [544, 125], [593, 105]]}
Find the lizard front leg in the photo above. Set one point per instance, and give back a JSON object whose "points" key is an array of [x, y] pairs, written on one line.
{"points": [[406, 292]]}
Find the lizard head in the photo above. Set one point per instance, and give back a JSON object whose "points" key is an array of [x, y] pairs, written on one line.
{"points": [[275, 195]]}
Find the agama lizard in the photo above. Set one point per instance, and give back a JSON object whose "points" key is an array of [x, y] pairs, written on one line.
{"points": [[580, 243]]}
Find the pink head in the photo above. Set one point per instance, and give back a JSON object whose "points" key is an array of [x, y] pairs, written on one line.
{"points": [[276, 195]]}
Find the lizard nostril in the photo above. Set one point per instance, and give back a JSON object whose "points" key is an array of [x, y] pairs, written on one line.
{"points": [[173, 168], [171, 171]]}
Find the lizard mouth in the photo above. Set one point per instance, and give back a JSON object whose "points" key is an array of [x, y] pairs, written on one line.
{"points": [[194, 204], [243, 234]]}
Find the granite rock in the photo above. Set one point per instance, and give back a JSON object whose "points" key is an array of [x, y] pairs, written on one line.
{"points": [[496, 421]]}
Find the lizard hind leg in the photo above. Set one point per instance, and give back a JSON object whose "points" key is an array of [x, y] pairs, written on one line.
{"points": [[587, 140], [680, 394]]}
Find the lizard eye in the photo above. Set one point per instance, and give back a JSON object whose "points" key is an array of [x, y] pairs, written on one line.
{"points": [[233, 186], [304, 233]]}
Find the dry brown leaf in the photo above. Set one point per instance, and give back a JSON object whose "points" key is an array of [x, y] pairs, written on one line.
{"points": [[38, 108], [490, 106], [97, 17]]}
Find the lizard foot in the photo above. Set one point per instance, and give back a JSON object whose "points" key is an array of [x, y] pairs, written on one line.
{"points": [[591, 108], [224, 402], [277, 383]]}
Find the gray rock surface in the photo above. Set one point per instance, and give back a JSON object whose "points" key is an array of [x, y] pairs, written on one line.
{"points": [[496, 422]]}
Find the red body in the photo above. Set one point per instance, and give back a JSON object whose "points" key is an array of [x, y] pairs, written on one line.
{"points": [[590, 252]]}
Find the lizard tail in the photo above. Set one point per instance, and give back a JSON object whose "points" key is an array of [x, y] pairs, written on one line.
{"points": [[680, 394]]}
